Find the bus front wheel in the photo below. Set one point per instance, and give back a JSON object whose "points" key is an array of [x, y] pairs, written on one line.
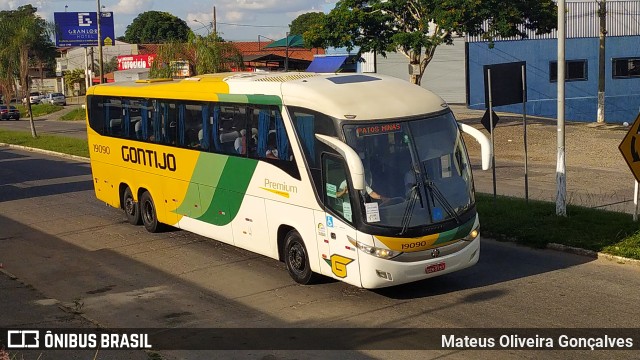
{"points": [[131, 208], [297, 259], [148, 213]]}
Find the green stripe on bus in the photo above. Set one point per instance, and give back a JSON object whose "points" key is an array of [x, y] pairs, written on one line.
{"points": [[208, 170], [230, 192], [250, 99], [459, 232]]}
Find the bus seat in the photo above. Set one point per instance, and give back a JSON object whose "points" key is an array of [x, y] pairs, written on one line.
{"points": [[138, 129], [227, 139], [115, 126]]}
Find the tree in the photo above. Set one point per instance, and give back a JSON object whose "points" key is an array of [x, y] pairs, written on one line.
{"points": [[207, 54], [305, 22], [75, 76], [109, 66], [23, 38], [416, 28], [155, 27]]}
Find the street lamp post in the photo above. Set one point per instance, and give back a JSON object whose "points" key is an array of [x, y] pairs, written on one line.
{"points": [[99, 15], [204, 25]]}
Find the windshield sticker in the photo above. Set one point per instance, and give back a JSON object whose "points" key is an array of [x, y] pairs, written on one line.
{"points": [[329, 221], [377, 129], [346, 210], [372, 211], [437, 214], [331, 190]]}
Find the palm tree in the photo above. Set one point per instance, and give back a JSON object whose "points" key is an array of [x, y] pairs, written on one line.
{"points": [[22, 34]]}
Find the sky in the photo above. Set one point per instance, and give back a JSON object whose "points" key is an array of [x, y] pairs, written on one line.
{"points": [[237, 20]]}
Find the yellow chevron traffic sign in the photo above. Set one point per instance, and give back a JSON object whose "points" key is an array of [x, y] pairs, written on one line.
{"points": [[630, 148]]}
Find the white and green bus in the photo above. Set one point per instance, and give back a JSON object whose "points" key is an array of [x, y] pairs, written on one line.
{"points": [[362, 178]]}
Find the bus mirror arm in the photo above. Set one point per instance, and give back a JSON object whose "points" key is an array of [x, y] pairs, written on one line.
{"points": [[485, 144], [356, 169]]}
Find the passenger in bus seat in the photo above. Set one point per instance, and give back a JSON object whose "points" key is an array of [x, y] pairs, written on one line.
{"points": [[272, 147], [241, 142]]}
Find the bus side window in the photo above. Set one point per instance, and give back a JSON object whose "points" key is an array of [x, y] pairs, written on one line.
{"points": [[335, 181], [273, 142], [113, 112], [252, 138], [193, 125], [168, 121], [232, 124], [96, 114]]}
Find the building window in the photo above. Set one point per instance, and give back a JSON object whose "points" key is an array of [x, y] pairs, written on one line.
{"points": [[575, 70], [626, 68]]}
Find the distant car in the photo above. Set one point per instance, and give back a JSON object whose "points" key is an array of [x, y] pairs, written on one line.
{"points": [[54, 98], [9, 112], [34, 98]]}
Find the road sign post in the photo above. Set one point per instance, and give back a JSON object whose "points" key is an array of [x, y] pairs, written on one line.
{"points": [[630, 149]]}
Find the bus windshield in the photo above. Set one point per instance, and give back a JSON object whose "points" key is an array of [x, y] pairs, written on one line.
{"points": [[417, 172]]}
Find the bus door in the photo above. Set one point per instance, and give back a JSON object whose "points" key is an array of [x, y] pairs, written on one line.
{"points": [[250, 224], [342, 257]]}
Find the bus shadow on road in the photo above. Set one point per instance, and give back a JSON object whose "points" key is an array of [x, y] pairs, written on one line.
{"points": [[499, 262]]}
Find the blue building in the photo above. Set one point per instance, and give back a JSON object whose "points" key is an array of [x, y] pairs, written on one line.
{"points": [[622, 68]]}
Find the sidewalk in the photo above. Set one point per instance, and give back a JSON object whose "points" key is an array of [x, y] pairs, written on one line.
{"points": [[597, 175], [29, 309]]}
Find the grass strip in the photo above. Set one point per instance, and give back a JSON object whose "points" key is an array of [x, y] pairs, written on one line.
{"points": [[535, 224], [61, 144], [39, 109], [74, 115]]}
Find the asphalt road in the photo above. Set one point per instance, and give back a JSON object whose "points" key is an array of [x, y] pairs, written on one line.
{"points": [[56, 237]]}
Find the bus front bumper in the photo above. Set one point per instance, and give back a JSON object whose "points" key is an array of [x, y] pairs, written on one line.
{"points": [[377, 273]]}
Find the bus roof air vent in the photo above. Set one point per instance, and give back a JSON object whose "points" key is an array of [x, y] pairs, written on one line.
{"points": [[286, 77], [151, 81]]}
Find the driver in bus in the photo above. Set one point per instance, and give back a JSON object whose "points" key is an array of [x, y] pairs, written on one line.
{"points": [[343, 190]]}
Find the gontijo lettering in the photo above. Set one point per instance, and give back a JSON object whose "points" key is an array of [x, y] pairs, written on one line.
{"points": [[149, 158]]}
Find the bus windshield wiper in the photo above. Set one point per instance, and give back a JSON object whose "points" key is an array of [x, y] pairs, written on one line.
{"points": [[408, 210], [435, 191]]}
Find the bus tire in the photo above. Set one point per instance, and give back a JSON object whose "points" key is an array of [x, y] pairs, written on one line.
{"points": [[131, 208], [297, 259], [148, 213]]}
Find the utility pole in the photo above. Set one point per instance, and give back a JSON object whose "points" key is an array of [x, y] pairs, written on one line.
{"points": [[602, 14], [215, 25], [561, 168], [93, 70], [99, 15]]}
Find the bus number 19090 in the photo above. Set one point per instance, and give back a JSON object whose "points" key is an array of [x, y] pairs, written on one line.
{"points": [[414, 245], [101, 149]]}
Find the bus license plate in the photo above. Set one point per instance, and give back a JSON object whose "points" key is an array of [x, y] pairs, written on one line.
{"points": [[435, 267]]}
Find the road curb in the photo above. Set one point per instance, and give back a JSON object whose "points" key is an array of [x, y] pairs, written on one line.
{"points": [[8, 274], [47, 152], [593, 254]]}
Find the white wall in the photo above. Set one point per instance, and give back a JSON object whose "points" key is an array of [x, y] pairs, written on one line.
{"points": [[445, 75]]}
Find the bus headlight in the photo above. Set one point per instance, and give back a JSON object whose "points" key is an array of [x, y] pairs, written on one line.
{"points": [[375, 251], [473, 234]]}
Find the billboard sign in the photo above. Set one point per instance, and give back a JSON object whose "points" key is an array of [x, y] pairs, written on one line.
{"points": [[81, 29], [126, 62]]}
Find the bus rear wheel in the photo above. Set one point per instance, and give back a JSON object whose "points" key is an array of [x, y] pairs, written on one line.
{"points": [[297, 259], [148, 213], [131, 208]]}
